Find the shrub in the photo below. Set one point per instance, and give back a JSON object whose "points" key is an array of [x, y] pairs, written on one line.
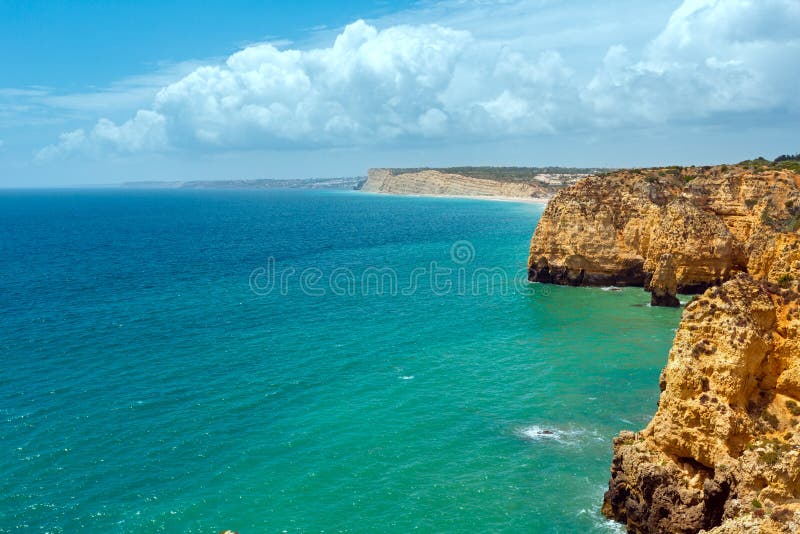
{"points": [[770, 418], [789, 166], [766, 218], [791, 224], [784, 280], [787, 157], [769, 457], [756, 164]]}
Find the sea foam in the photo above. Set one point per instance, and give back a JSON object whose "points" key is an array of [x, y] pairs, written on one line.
{"points": [[573, 436]]}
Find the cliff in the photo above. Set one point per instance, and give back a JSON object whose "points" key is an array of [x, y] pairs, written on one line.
{"points": [[472, 182], [671, 229], [722, 452]]}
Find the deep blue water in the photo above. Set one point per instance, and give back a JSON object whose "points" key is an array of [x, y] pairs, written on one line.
{"points": [[146, 387]]}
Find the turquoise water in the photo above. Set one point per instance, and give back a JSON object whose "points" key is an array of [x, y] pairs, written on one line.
{"points": [[145, 386]]}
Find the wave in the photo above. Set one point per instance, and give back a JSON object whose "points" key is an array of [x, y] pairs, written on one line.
{"points": [[563, 436], [601, 523]]}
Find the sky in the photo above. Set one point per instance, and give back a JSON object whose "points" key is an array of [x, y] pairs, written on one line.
{"points": [[98, 92]]}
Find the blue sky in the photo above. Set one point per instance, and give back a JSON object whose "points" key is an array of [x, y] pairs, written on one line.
{"points": [[77, 44], [104, 92]]}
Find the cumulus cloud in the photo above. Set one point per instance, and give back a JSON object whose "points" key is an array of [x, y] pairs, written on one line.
{"points": [[370, 86], [410, 83], [713, 56], [144, 132]]}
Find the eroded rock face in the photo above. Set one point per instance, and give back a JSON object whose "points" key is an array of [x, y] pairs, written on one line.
{"points": [[435, 182], [722, 450], [714, 222]]}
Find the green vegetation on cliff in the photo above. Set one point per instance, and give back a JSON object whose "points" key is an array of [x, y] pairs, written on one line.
{"points": [[784, 162], [787, 157]]}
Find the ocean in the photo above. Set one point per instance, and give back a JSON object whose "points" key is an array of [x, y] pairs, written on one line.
{"points": [[305, 361]]}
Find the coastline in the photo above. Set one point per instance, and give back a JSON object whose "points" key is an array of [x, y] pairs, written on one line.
{"points": [[522, 200], [715, 455]]}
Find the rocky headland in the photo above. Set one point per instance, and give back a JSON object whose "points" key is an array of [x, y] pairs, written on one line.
{"points": [[675, 229], [483, 182], [722, 453]]}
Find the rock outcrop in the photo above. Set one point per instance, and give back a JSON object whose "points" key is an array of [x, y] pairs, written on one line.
{"points": [[722, 452], [712, 222], [664, 284], [439, 182]]}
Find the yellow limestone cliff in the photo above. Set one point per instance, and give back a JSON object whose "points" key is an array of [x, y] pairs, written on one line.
{"points": [[671, 229], [722, 452], [471, 182]]}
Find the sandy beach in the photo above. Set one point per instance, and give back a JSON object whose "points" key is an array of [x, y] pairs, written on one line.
{"points": [[526, 200]]}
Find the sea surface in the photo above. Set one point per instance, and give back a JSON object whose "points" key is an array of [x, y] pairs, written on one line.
{"points": [[296, 361]]}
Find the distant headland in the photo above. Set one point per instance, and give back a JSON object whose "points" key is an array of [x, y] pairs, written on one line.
{"points": [[350, 182], [481, 182], [525, 183]]}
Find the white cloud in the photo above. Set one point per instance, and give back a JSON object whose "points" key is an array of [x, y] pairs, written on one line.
{"points": [[713, 56], [370, 86], [409, 83], [144, 132]]}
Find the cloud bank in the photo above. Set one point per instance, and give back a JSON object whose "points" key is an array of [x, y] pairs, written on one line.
{"points": [[417, 83]]}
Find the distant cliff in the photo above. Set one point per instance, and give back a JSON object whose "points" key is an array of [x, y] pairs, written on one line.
{"points": [[347, 183], [672, 229], [513, 182]]}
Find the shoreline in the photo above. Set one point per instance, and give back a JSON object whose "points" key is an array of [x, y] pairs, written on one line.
{"points": [[522, 200]]}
